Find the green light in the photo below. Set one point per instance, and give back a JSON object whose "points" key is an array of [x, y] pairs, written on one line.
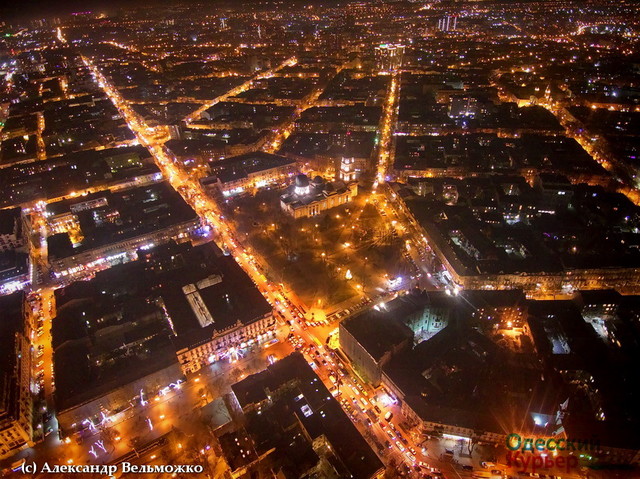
{"points": [[7, 34]]}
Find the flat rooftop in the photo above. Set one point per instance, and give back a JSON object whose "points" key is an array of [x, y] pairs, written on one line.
{"points": [[12, 322], [377, 331], [308, 401], [60, 176], [106, 338], [500, 225], [241, 166], [459, 377], [226, 296], [118, 216]]}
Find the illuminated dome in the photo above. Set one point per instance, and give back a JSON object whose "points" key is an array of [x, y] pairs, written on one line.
{"points": [[301, 181], [301, 185]]}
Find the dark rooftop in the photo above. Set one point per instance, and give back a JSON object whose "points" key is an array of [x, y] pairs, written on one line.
{"points": [[377, 331], [236, 167], [310, 402], [123, 215]]}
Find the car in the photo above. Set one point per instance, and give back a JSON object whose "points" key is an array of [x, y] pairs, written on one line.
{"points": [[377, 409]]}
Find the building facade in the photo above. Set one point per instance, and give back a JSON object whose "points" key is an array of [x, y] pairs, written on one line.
{"points": [[11, 236], [307, 198], [227, 343], [16, 403], [121, 251], [247, 172]]}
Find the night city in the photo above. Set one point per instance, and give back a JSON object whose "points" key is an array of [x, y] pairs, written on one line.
{"points": [[320, 239]]}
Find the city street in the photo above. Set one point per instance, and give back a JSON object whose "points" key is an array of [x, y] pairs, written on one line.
{"points": [[482, 143]]}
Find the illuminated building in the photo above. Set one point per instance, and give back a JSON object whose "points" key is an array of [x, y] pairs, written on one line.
{"points": [[111, 347], [288, 411], [466, 241], [215, 310], [389, 57], [15, 377], [311, 197], [448, 23], [371, 339], [587, 341], [352, 151], [131, 333], [146, 312], [107, 228], [14, 271], [445, 388], [246, 172], [347, 170], [57, 178], [418, 380], [14, 262], [257, 63], [463, 106]]}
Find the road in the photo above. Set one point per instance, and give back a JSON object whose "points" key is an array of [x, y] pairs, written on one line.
{"points": [[387, 129], [310, 339], [178, 407], [237, 90]]}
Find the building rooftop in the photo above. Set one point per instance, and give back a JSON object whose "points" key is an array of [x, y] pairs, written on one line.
{"points": [[377, 331], [227, 296], [459, 377], [10, 220], [13, 264], [294, 393], [304, 191], [499, 226], [105, 338], [241, 166], [112, 329], [63, 175], [108, 217], [488, 153], [12, 323]]}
